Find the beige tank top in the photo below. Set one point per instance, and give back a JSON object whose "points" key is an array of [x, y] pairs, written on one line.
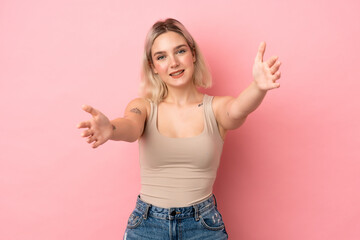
{"points": [[179, 172]]}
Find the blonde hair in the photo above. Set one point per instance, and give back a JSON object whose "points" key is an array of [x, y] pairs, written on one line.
{"points": [[152, 86]]}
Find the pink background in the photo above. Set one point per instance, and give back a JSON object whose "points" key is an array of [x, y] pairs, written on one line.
{"points": [[291, 172]]}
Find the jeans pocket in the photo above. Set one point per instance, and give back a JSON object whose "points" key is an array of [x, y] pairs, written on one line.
{"points": [[135, 219], [212, 220]]}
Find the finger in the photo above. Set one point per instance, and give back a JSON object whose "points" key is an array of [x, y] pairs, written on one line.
{"points": [[96, 144], [90, 110], [276, 85], [272, 61], [85, 124], [87, 133], [91, 139], [261, 51], [276, 76], [275, 67]]}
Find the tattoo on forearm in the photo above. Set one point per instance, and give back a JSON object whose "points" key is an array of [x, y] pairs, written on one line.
{"points": [[199, 105], [135, 110]]}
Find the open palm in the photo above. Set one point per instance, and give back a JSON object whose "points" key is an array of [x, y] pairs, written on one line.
{"points": [[99, 128], [266, 73]]}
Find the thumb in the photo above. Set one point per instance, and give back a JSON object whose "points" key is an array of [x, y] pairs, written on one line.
{"points": [[261, 51], [90, 109]]}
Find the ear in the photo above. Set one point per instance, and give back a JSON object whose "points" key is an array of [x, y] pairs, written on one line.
{"points": [[194, 55]]}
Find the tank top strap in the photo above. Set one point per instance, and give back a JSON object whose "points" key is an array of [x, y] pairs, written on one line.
{"points": [[211, 123], [151, 114]]}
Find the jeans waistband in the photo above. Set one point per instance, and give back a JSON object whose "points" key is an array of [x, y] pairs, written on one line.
{"points": [[176, 213]]}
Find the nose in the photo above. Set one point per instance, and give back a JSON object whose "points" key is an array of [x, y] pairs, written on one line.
{"points": [[174, 62]]}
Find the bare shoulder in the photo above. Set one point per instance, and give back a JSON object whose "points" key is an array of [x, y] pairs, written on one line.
{"points": [[221, 108], [219, 104]]}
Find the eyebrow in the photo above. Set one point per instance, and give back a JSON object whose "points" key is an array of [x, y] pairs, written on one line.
{"points": [[162, 52]]}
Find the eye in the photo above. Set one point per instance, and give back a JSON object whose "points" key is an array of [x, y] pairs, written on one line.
{"points": [[181, 51], [160, 58]]}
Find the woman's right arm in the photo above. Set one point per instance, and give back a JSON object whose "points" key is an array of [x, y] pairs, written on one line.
{"points": [[128, 128], [131, 126]]}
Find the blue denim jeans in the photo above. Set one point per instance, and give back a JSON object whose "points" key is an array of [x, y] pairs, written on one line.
{"points": [[200, 221]]}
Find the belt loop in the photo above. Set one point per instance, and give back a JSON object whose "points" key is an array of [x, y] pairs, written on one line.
{"points": [[215, 200], [147, 211], [197, 218]]}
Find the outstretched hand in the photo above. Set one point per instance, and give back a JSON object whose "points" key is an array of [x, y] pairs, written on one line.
{"points": [[99, 129], [266, 74]]}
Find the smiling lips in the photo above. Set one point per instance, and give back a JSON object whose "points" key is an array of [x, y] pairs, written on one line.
{"points": [[177, 74]]}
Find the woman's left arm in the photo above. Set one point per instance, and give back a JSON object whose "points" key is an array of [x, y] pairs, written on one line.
{"points": [[232, 112]]}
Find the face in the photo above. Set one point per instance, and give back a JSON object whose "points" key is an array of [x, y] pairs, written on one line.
{"points": [[173, 59]]}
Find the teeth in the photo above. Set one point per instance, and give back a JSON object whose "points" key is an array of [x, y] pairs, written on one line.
{"points": [[177, 73]]}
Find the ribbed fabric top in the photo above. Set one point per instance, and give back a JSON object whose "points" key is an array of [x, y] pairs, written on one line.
{"points": [[179, 172]]}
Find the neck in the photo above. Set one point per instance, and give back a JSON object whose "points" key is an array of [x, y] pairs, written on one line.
{"points": [[183, 96]]}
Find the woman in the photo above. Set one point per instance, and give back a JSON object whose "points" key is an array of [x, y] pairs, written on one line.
{"points": [[180, 132]]}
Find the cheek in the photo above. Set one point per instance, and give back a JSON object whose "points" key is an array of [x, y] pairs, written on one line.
{"points": [[189, 60], [161, 67]]}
